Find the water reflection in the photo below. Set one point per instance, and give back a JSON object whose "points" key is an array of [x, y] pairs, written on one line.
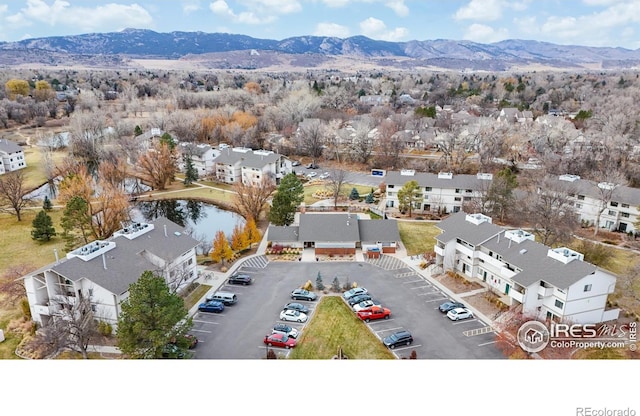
{"points": [[201, 220]]}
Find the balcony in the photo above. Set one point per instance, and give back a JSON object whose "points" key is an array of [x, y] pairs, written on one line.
{"points": [[42, 310], [506, 272], [439, 250], [516, 295], [545, 291]]}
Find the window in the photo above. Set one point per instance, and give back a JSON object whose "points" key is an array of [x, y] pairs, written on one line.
{"points": [[624, 214], [625, 205], [457, 199], [581, 197], [612, 212], [587, 288], [578, 205], [427, 189], [390, 186], [90, 292], [613, 203], [458, 191], [93, 308], [559, 304]]}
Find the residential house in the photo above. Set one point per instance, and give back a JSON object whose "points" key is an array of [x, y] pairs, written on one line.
{"points": [[11, 156], [619, 204], [548, 283], [103, 270], [337, 234], [248, 166], [202, 156], [443, 192], [513, 115]]}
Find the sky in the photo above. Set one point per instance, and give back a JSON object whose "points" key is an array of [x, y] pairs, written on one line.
{"points": [[577, 22]]}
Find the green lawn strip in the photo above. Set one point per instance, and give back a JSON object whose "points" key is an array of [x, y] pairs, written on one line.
{"points": [[334, 325], [34, 173], [204, 194], [418, 237], [346, 190], [11, 341], [194, 297]]}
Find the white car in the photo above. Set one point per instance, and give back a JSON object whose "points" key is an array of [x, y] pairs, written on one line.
{"points": [[293, 316], [459, 313], [324, 175], [365, 304], [311, 175]]}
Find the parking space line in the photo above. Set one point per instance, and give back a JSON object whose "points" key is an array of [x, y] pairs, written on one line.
{"points": [[434, 300], [435, 292], [464, 321], [379, 321], [420, 287], [413, 281], [200, 330], [206, 322], [390, 329], [407, 347]]}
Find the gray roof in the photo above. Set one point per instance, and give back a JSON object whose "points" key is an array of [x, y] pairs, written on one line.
{"points": [[126, 262], [194, 149], [622, 194], [432, 180], [9, 146], [456, 226], [248, 159], [282, 233], [372, 231], [329, 227], [536, 265]]}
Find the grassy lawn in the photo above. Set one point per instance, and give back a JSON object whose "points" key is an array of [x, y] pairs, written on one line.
{"points": [[334, 325], [34, 172], [346, 190], [192, 298], [418, 237], [12, 340], [179, 191]]}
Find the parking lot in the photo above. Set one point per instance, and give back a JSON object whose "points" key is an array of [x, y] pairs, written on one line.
{"points": [[238, 332]]}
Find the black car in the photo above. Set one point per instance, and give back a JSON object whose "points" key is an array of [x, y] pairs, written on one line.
{"points": [[303, 294], [296, 307], [240, 279], [312, 166], [397, 339], [173, 351], [358, 298], [447, 306]]}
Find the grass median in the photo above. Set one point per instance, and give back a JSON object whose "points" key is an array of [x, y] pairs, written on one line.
{"points": [[333, 326]]}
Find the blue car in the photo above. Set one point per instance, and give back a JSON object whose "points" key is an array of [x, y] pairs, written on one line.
{"points": [[211, 306]]}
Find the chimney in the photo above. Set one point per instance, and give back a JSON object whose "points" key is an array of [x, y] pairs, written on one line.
{"points": [[165, 230], [104, 261]]}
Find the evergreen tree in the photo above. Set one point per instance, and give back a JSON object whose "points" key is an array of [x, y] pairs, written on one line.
{"points": [[42, 227], [46, 204], [319, 284], [150, 317], [409, 196], [137, 131], [289, 195], [168, 140], [191, 173], [500, 198], [354, 194], [369, 199], [76, 222]]}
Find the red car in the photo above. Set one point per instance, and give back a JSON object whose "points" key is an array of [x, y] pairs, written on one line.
{"points": [[280, 340], [374, 312]]}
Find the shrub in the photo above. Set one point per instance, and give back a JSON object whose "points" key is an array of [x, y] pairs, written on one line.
{"points": [[308, 285], [105, 328], [319, 283], [335, 285], [24, 306]]}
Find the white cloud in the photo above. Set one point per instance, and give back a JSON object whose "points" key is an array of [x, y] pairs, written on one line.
{"points": [[331, 29], [190, 6], [261, 11], [480, 10], [106, 16], [398, 7], [335, 3], [599, 2], [376, 29], [485, 34]]}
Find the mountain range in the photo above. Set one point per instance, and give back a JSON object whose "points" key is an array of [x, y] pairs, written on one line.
{"points": [[228, 51]]}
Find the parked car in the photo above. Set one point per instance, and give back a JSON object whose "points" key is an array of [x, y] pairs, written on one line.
{"points": [[295, 163], [459, 313], [366, 304], [397, 339], [312, 166], [240, 279], [280, 340], [296, 307], [357, 299], [447, 306], [285, 329], [293, 316], [353, 292], [324, 175], [211, 306], [303, 294], [311, 175], [373, 313]]}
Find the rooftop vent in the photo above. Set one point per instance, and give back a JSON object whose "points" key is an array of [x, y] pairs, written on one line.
{"points": [[92, 250], [407, 172], [564, 254], [485, 176], [518, 236], [478, 219], [607, 185], [445, 175], [133, 230]]}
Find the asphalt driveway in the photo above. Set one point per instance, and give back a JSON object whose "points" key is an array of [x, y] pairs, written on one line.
{"points": [[238, 332]]}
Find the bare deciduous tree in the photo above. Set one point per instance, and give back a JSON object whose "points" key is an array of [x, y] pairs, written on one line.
{"points": [[250, 201], [335, 183], [158, 166], [13, 193]]}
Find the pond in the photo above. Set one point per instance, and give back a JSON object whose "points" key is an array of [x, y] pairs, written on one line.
{"points": [[201, 220]]}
